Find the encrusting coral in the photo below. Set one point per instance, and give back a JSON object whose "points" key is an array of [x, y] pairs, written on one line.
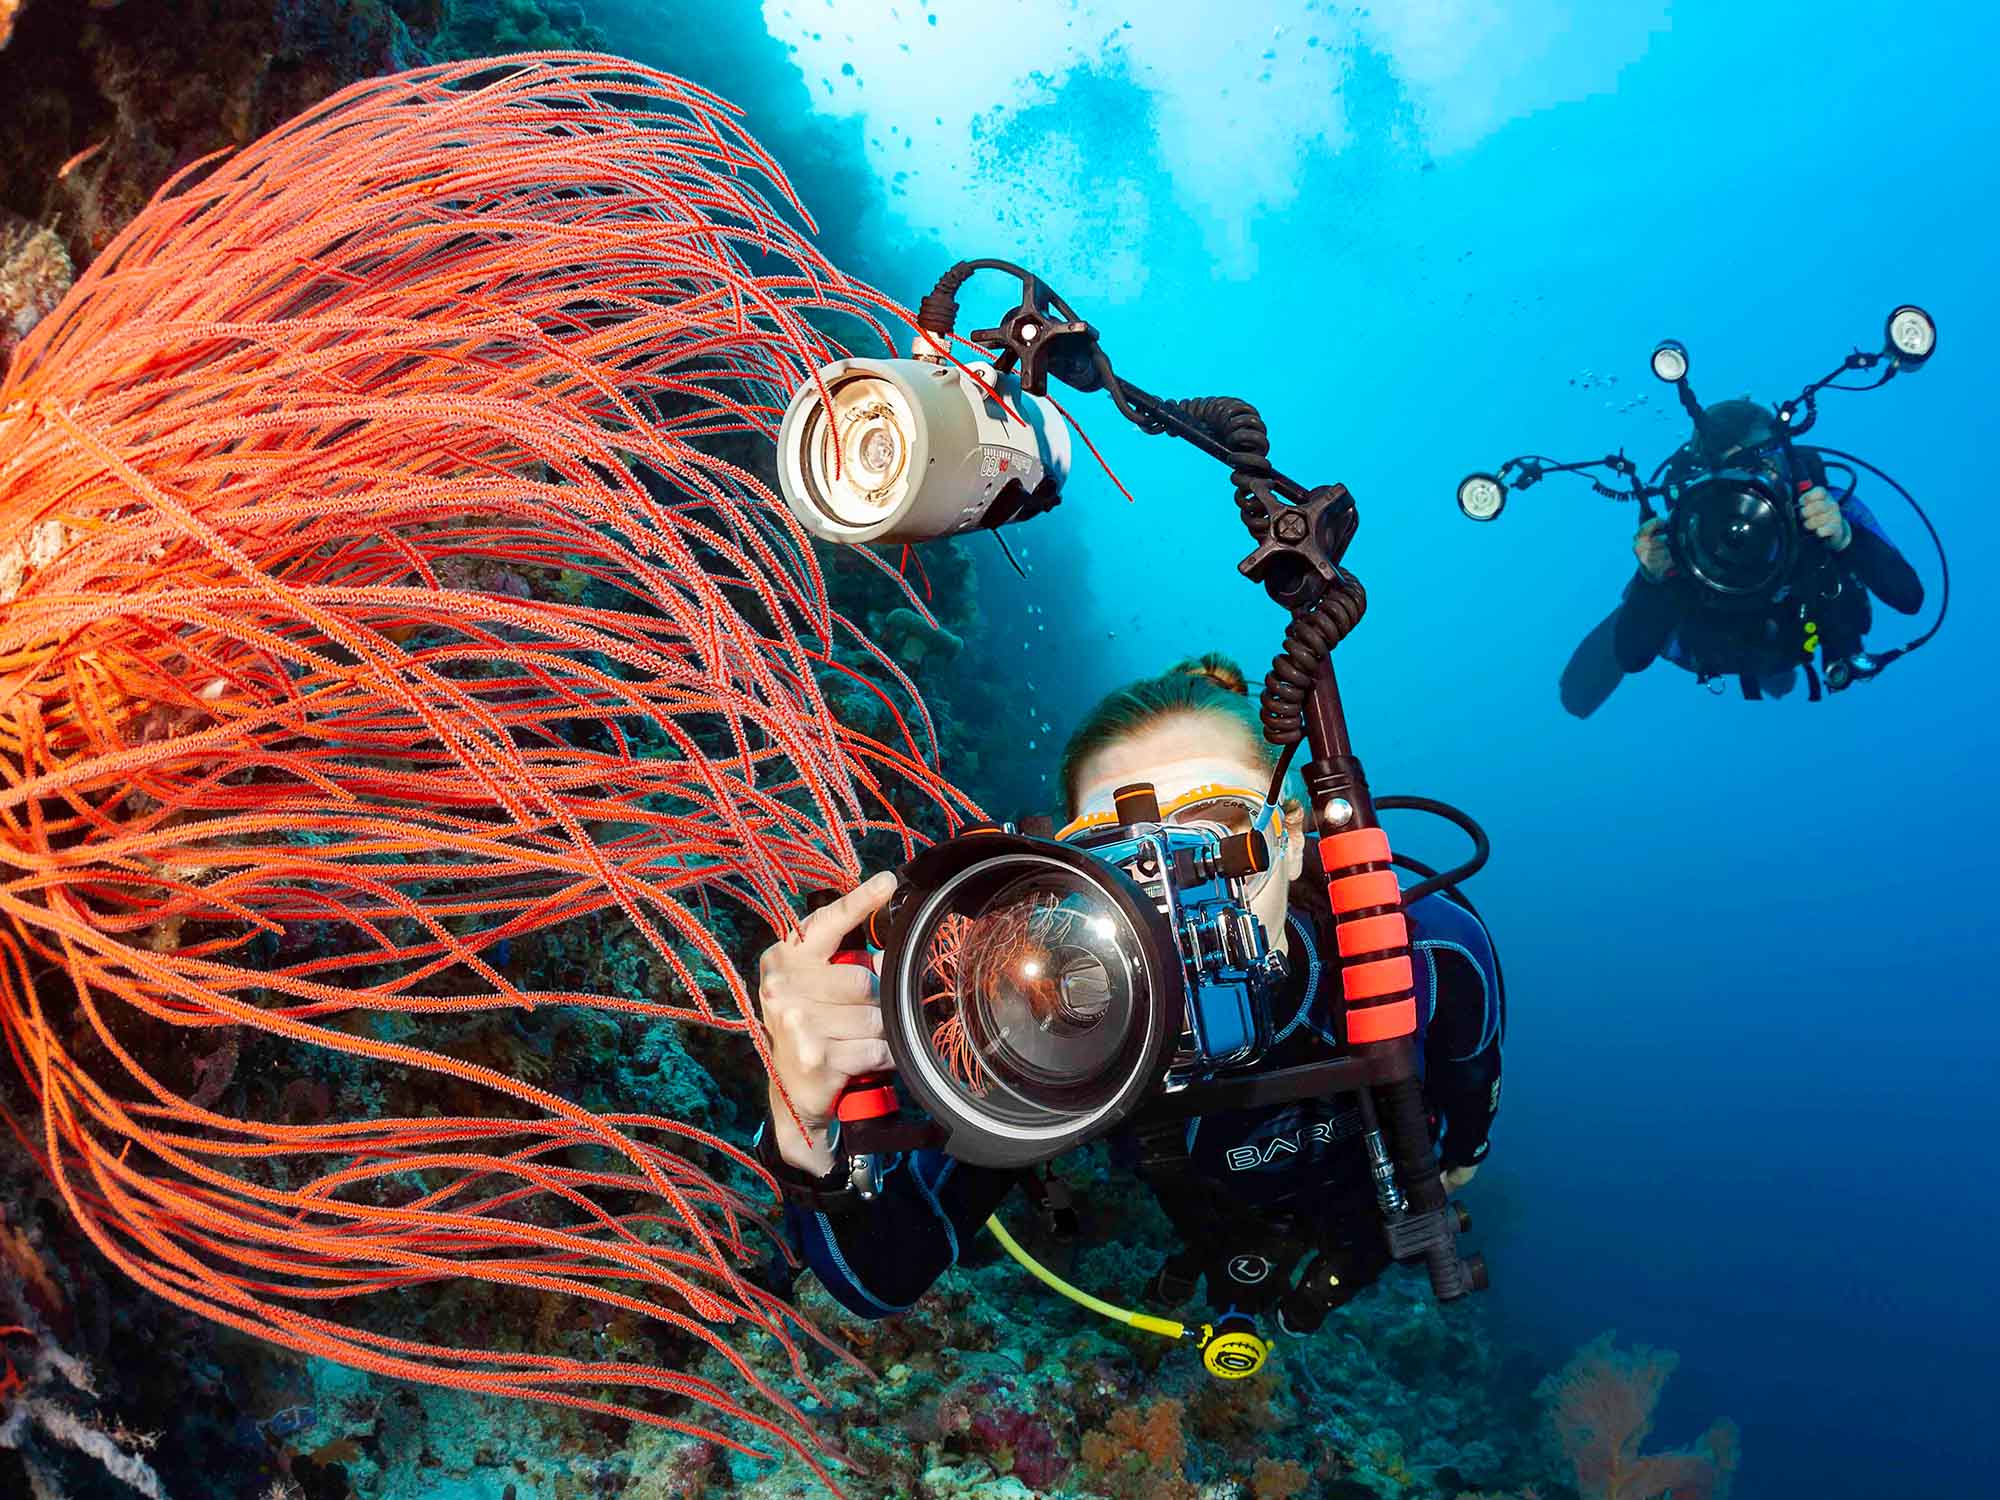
{"points": [[1138, 1455], [911, 638], [34, 273]]}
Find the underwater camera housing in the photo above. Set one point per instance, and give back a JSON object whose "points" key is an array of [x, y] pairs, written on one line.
{"points": [[1736, 533], [1036, 994]]}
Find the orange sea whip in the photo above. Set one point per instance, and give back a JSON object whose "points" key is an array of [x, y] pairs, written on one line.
{"points": [[942, 970], [1000, 960], [272, 480]]}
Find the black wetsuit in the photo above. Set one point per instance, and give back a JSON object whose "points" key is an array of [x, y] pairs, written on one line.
{"points": [[1670, 618], [1249, 1192]]}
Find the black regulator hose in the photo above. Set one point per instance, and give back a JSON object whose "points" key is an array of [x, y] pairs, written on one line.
{"points": [[1482, 847], [1418, 867], [1944, 563]]}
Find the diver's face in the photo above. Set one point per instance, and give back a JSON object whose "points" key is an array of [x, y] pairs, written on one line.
{"points": [[1199, 748]]}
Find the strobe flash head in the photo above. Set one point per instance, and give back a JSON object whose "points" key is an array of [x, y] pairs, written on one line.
{"points": [[905, 450], [1911, 335], [1670, 361], [1481, 496]]}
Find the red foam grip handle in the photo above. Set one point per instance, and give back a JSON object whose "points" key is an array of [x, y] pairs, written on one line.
{"points": [[1371, 981], [1357, 846], [1382, 1023], [868, 1096], [1359, 892], [1376, 934], [1366, 986]]}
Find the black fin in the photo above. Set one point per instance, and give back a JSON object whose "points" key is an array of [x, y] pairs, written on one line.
{"points": [[1593, 671]]}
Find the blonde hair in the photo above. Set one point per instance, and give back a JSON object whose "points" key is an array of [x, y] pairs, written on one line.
{"points": [[1212, 684]]}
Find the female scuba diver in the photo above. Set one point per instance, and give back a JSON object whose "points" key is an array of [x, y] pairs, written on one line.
{"points": [[1252, 1194]]}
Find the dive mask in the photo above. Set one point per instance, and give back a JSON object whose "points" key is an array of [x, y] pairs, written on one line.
{"points": [[1192, 792]]}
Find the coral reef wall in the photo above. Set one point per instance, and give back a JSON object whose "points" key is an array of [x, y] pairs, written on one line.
{"points": [[127, 91], [35, 271]]}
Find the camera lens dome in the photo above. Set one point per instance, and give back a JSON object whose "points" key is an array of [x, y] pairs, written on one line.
{"points": [[1027, 1003], [1733, 534]]}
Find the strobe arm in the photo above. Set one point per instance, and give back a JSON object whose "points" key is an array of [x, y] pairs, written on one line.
{"points": [[1482, 496], [1044, 339], [1378, 988], [1798, 415]]}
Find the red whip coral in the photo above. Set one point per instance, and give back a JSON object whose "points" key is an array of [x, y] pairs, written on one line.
{"points": [[271, 478]]}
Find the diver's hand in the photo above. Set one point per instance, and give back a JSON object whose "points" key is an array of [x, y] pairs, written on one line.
{"points": [[1457, 1177], [1821, 514], [824, 1021], [1650, 547]]}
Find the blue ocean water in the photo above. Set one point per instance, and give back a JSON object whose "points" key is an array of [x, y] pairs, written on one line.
{"points": [[1749, 1105]]}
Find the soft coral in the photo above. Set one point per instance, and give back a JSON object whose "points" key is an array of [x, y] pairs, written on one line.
{"points": [[1139, 1456], [1601, 1404]]}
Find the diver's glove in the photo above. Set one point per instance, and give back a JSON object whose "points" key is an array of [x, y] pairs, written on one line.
{"points": [[1822, 517], [1650, 547], [1457, 1177]]}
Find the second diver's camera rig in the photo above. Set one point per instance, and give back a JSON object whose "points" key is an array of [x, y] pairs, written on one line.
{"points": [[906, 486], [1735, 532]]}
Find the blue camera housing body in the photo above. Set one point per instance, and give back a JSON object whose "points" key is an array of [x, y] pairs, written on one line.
{"points": [[1226, 958]]}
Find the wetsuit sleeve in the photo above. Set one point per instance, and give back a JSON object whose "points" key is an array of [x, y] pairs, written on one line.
{"points": [[1885, 571], [878, 1258], [1645, 620], [1462, 1043]]}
